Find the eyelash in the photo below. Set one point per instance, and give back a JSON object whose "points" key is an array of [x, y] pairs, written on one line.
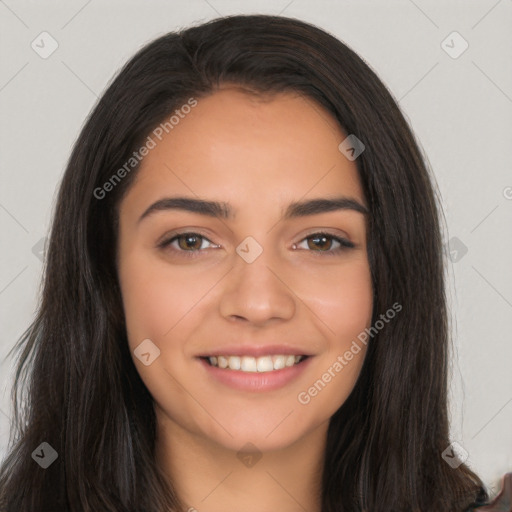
{"points": [[344, 243]]}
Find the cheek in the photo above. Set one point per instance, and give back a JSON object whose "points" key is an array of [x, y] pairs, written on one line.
{"points": [[345, 310], [157, 296], [148, 298], [342, 298]]}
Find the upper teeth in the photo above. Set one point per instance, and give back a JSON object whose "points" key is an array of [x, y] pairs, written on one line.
{"points": [[254, 364]]}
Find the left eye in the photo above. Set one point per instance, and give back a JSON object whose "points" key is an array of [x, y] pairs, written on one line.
{"points": [[325, 241]]}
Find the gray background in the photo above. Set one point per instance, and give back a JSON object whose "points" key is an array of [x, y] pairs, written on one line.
{"points": [[460, 110]]}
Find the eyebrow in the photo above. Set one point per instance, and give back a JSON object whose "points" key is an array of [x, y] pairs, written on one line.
{"points": [[222, 210]]}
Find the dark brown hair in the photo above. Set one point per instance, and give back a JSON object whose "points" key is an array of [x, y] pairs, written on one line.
{"points": [[76, 385]]}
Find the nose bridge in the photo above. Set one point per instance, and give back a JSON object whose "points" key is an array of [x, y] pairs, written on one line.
{"points": [[256, 291]]}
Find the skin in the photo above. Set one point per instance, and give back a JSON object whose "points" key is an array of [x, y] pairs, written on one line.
{"points": [[258, 156]]}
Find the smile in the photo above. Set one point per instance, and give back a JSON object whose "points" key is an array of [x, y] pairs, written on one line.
{"points": [[255, 374], [255, 364]]}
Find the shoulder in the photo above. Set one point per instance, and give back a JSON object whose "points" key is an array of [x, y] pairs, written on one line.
{"points": [[502, 502]]}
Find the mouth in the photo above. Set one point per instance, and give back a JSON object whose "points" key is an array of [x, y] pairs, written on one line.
{"points": [[250, 364], [255, 374]]}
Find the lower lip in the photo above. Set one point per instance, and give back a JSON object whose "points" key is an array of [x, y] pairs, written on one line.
{"points": [[256, 381]]}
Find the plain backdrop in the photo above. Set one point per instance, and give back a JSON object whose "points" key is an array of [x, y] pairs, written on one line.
{"points": [[458, 101]]}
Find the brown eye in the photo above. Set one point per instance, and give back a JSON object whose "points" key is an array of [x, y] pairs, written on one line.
{"points": [[323, 243], [186, 242], [189, 241]]}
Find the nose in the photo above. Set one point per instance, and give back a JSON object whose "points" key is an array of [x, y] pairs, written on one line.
{"points": [[258, 292]]}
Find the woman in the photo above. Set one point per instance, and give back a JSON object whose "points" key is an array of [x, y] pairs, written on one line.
{"points": [[243, 304]]}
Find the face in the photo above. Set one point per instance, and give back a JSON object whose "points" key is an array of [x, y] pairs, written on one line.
{"points": [[254, 278]]}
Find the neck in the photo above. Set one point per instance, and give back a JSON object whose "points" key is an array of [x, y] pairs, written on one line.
{"points": [[209, 477]]}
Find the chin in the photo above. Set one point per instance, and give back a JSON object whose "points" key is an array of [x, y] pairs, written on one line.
{"points": [[271, 433], [256, 440]]}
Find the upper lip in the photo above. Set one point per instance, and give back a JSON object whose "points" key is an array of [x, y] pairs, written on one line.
{"points": [[255, 351]]}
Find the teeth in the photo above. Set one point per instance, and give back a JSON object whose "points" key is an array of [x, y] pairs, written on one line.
{"points": [[255, 364], [234, 362], [248, 364], [279, 362], [264, 364]]}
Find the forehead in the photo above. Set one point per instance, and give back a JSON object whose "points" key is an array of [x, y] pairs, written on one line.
{"points": [[244, 147]]}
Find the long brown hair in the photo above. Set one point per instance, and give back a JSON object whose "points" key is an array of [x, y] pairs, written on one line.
{"points": [[76, 385]]}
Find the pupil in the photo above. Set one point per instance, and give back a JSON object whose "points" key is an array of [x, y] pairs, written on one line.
{"points": [[189, 241], [322, 238]]}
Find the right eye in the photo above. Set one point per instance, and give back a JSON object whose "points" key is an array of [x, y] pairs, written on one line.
{"points": [[186, 241]]}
